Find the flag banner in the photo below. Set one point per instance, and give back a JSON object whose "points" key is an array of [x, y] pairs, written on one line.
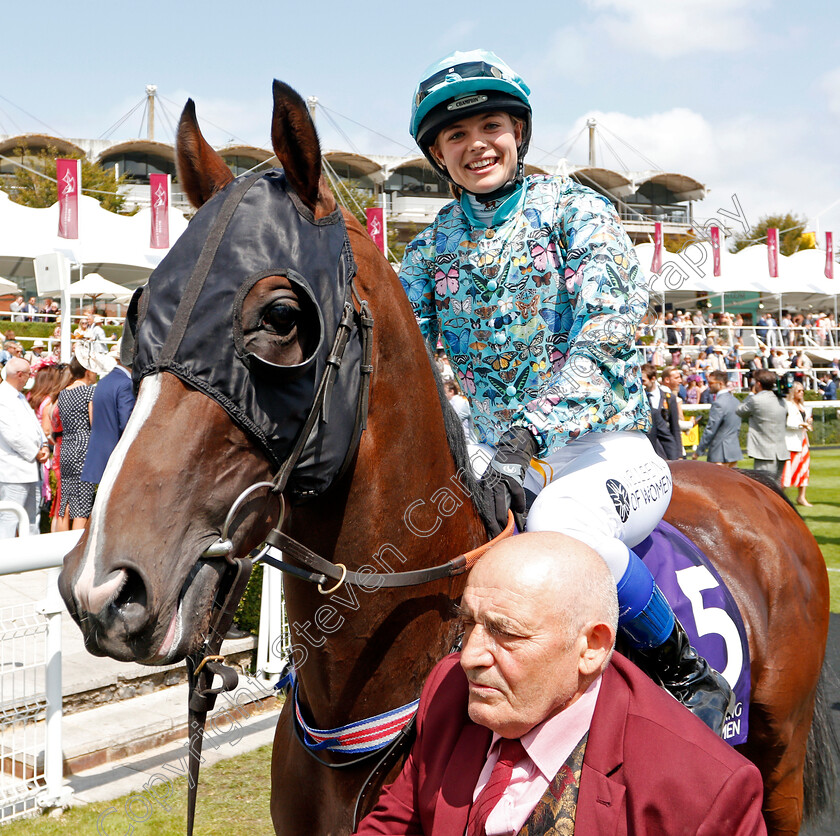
{"points": [[829, 255], [773, 251], [68, 174], [375, 226], [715, 234], [159, 192], [656, 264]]}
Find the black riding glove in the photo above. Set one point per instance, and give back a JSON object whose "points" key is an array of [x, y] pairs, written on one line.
{"points": [[505, 476]]}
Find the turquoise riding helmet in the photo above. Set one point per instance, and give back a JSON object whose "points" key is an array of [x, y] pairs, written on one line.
{"points": [[464, 84]]}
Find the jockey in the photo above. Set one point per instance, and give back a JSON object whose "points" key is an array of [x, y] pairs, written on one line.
{"points": [[535, 291]]}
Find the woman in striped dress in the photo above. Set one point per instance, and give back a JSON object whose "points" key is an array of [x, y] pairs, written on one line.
{"points": [[799, 422]]}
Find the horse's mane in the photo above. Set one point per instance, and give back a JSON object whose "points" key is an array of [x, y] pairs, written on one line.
{"points": [[769, 482], [458, 447]]}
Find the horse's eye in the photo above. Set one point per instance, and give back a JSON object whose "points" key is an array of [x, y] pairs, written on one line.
{"points": [[280, 319]]}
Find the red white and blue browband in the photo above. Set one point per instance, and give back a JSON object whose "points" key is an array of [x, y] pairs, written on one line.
{"points": [[354, 738]]}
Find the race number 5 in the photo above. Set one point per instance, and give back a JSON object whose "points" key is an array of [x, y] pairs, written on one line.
{"points": [[693, 581]]}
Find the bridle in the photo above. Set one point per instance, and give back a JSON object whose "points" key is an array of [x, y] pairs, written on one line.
{"points": [[206, 663]]}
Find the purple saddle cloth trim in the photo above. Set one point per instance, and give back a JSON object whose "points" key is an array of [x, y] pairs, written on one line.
{"points": [[707, 610]]}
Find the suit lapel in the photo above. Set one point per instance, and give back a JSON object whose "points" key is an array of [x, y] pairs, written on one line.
{"points": [[456, 792], [600, 807]]}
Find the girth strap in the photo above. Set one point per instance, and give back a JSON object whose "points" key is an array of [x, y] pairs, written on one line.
{"points": [[202, 668]]}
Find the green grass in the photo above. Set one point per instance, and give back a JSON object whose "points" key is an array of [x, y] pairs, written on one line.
{"points": [[824, 518], [234, 794], [233, 799]]}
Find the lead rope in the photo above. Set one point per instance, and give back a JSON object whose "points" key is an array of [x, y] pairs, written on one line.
{"points": [[201, 668]]}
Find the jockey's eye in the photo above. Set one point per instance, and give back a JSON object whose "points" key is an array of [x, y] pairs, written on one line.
{"points": [[280, 319]]}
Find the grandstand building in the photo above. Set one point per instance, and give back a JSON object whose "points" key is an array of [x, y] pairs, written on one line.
{"points": [[412, 191]]}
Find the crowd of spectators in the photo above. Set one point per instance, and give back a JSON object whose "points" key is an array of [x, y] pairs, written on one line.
{"points": [[31, 311], [698, 344], [38, 352], [52, 422]]}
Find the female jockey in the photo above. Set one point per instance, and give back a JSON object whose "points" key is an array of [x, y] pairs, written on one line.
{"points": [[535, 291]]}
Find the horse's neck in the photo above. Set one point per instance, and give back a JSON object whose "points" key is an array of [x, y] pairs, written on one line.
{"points": [[402, 507]]}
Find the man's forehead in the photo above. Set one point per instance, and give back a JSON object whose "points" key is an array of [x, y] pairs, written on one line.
{"points": [[499, 607]]}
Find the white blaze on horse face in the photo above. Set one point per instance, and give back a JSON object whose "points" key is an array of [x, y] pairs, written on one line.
{"points": [[93, 598]]}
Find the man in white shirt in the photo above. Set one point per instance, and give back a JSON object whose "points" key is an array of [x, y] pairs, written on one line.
{"points": [[23, 447]]}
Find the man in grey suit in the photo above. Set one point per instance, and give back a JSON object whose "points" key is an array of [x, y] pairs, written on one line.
{"points": [[768, 415], [720, 438]]}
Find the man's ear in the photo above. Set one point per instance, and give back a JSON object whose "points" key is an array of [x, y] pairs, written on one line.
{"points": [[600, 640]]}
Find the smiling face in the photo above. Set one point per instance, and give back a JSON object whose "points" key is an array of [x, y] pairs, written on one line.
{"points": [[535, 638], [480, 152]]}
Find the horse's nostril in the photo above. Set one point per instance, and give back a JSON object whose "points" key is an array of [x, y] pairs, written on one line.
{"points": [[130, 604]]}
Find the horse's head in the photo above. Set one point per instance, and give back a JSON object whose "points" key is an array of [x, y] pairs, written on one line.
{"points": [[232, 336]]}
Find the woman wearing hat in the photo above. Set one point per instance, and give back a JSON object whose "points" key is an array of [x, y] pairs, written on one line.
{"points": [[535, 291]]}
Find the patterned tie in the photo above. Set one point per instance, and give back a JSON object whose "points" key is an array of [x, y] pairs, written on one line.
{"points": [[510, 752]]}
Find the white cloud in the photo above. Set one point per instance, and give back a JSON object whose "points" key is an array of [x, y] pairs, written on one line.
{"points": [[769, 164], [829, 85], [668, 29]]}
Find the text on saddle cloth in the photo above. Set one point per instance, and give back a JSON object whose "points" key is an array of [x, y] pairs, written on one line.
{"points": [[707, 610]]}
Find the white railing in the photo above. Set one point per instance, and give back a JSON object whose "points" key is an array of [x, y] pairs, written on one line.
{"points": [[31, 771], [31, 756]]}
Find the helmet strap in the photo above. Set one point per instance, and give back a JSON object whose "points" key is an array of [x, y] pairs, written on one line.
{"points": [[505, 190]]}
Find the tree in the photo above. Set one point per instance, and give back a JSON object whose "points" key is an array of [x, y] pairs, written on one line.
{"points": [[676, 243], [356, 198], [30, 189], [792, 236]]}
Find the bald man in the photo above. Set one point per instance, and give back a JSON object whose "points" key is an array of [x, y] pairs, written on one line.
{"points": [[538, 727], [23, 447]]}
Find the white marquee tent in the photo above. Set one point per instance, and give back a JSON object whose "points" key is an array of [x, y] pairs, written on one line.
{"points": [[116, 246], [801, 277], [7, 287]]}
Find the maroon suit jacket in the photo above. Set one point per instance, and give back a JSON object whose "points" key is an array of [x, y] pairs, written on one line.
{"points": [[650, 766]]}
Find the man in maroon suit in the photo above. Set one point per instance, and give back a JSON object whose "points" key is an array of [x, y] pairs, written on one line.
{"points": [[537, 727]]}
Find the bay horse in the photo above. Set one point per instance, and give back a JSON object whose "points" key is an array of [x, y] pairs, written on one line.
{"points": [[140, 583]]}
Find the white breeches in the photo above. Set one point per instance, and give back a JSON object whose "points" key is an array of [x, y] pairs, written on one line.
{"points": [[607, 489]]}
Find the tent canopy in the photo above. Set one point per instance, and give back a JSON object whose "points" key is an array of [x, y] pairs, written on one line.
{"points": [[7, 288], [747, 270], [118, 246], [95, 285]]}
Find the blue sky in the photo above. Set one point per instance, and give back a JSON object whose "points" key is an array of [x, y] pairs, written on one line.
{"points": [[743, 95]]}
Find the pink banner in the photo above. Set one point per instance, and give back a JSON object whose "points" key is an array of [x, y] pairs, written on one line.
{"points": [[159, 192], [375, 226], [829, 255], [656, 264], [715, 234], [68, 174], [773, 251]]}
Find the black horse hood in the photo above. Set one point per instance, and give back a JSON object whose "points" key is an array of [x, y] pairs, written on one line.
{"points": [[187, 319]]}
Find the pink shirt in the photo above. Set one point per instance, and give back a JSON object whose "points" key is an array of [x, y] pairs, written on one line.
{"points": [[548, 746]]}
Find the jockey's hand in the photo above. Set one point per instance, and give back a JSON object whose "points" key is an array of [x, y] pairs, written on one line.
{"points": [[505, 477]]}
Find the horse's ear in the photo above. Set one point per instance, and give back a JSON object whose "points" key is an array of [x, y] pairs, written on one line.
{"points": [[201, 171], [297, 148]]}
